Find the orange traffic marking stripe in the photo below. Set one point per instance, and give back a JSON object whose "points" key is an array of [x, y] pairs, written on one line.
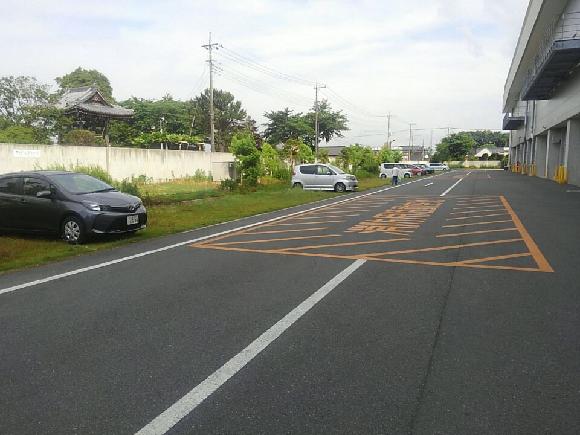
{"points": [[241, 242], [476, 232], [532, 247], [476, 223]]}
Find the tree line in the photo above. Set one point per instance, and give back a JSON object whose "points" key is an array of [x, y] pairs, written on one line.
{"points": [[28, 115], [463, 145]]}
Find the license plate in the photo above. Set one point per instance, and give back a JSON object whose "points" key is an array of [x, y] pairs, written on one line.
{"points": [[132, 220]]}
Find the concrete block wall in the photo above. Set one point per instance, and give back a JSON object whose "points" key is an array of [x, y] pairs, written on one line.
{"points": [[121, 163]]}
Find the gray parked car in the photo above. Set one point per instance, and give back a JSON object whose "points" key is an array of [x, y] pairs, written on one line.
{"points": [[323, 177], [67, 203]]}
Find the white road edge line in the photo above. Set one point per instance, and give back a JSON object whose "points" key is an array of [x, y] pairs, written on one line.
{"points": [[429, 184], [454, 184], [184, 406], [187, 242]]}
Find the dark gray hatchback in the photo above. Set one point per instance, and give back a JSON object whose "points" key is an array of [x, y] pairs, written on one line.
{"points": [[70, 204]]}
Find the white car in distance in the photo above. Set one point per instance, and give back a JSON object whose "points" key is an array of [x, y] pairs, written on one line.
{"points": [[386, 170], [439, 166], [321, 176]]}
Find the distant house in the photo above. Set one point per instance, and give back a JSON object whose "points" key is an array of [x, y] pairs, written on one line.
{"points": [[333, 152], [414, 153], [501, 151]]}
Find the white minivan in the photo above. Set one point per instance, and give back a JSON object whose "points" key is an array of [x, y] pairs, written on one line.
{"points": [[386, 170], [439, 166], [319, 176]]}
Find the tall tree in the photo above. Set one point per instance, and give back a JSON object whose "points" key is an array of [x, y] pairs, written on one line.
{"points": [[283, 125], [87, 77], [488, 137], [331, 123], [229, 116], [458, 145], [19, 96]]}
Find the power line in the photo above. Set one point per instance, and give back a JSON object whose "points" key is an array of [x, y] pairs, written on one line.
{"points": [[265, 69], [260, 83]]}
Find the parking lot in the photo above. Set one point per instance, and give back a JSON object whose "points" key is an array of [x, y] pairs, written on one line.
{"points": [[446, 305]]}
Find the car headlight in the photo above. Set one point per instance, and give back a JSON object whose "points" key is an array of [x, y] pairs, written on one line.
{"points": [[93, 206]]}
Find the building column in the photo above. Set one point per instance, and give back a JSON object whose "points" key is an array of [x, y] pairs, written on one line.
{"points": [[572, 153], [556, 138], [541, 154]]}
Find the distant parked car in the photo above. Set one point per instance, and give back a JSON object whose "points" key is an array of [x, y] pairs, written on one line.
{"points": [[70, 204], [426, 168], [323, 177], [439, 166], [386, 170], [416, 170]]}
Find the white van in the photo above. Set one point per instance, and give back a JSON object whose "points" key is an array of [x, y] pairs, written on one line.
{"points": [[323, 177], [439, 166], [386, 170]]}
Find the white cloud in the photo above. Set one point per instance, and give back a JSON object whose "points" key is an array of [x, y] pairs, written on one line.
{"points": [[435, 63]]}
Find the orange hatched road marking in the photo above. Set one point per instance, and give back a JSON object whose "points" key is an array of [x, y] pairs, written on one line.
{"points": [[476, 232], [442, 248], [473, 211], [270, 240], [481, 204], [478, 206], [532, 247], [333, 245], [384, 260], [479, 216], [286, 231], [476, 223], [497, 257], [300, 223], [534, 252]]}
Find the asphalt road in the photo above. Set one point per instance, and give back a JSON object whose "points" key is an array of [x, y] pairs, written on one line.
{"points": [[449, 305]]}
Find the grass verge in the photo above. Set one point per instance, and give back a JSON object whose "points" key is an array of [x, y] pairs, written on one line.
{"points": [[19, 251]]}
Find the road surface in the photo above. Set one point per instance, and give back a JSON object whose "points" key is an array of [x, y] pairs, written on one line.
{"points": [[446, 305]]}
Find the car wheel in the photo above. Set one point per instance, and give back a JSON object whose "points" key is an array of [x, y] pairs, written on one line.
{"points": [[297, 186], [339, 187], [73, 230], [383, 176], [407, 175]]}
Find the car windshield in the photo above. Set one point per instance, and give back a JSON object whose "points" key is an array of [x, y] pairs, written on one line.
{"points": [[335, 169], [80, 183]]}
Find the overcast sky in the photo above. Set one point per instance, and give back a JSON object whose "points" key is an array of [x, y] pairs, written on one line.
{"points": [[435, 63]]}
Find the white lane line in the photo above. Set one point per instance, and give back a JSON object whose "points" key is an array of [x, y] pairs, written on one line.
{"points": [[187, 242], [184, 406], [429, 184], [454, 184]]}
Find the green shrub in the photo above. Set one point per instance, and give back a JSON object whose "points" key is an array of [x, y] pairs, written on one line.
{"points": [[127, 186], [23, 134], [94, 171], [362, 173], [201, 176], [228, 185], [284, 174], [82, 137]]}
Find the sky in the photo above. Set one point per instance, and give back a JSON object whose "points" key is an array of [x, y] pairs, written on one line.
{"points": [[433, 63]]}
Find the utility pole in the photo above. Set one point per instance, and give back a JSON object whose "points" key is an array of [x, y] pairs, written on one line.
{"points": [[161, 120], [389, 130], [209, 47], [316, 87], [411, 124]]}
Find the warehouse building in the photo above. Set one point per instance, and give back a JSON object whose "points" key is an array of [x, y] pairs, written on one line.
{"points": [[542, 93]]}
